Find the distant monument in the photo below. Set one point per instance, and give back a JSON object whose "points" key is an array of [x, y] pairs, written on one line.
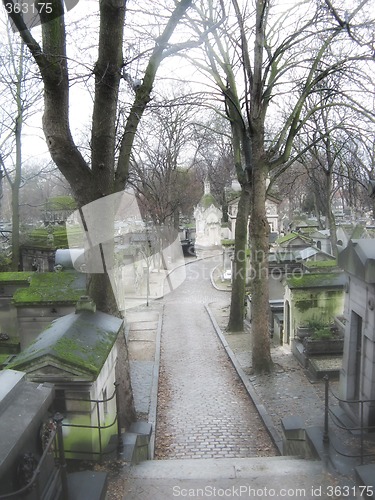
{"points": [[208, 217]]}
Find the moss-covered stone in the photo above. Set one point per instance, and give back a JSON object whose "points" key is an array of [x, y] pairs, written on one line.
{"points": [[53, 237], [313, 280], [82, 341], [227, 243], [51, 288], [321, 264], [11, 277], [286, 238]]}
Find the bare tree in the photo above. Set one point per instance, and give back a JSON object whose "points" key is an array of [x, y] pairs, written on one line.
{"points": [[162, 160], [266, 61], [19, 94], [105, 169]]}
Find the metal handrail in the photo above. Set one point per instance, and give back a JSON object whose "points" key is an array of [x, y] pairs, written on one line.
{"points": [[98, 427], [361, 428], [56, 433]]}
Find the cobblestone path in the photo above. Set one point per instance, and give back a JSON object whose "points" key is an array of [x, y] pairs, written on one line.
{"points": [[203, 408]]}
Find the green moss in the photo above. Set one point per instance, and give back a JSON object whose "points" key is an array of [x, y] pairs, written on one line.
{"points": [[70, 350], [53, 237], [50, 287], [227, 243], [311, 280], [303, 305], [321, 263], [74, 352], [82, 439], [286, 238], [3, 357], [15, 276]]}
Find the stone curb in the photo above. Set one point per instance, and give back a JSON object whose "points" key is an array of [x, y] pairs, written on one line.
{"points": [[152, 413], [266, 419]]}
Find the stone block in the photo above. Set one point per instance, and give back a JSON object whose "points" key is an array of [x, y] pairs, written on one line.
{"points": [[365, 476], [293, 436], [293, 427], [87, 485]]}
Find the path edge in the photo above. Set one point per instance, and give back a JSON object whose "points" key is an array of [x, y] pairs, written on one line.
{"points": [[152, 414], [266, 419]]}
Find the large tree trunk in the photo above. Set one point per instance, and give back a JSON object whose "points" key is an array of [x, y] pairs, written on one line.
{"points": [[100, 178], [259, 241], [237, 305]]}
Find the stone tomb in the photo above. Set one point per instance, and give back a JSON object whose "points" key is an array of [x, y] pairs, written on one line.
{"points": [[78, 354], [23, 409], [357, 377]]}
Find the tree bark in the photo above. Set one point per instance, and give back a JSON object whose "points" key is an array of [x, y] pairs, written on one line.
{"points": [[101, 178], [259, 243], [237, 304]]}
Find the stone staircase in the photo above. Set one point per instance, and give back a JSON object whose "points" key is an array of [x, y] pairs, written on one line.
{"points": [[257, 477], [136, 442]]}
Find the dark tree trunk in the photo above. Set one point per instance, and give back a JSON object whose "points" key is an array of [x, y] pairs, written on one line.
{"points": [[237, 305], [259, 243]]}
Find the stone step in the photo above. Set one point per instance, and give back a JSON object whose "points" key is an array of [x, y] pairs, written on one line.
{"points": [[87, 485], [365, 475], [258, 477], [225, 467]]}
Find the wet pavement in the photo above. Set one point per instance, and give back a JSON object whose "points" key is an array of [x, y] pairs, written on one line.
{"points": [[206, 423], [203, 409]]}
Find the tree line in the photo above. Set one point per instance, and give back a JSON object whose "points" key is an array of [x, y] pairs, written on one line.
{"points": [[282, 93]]}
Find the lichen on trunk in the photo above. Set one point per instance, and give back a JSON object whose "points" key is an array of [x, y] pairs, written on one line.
{"points": [[259, 234], [237, 305]]}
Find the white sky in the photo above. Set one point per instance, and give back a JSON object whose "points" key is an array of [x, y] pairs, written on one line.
{"points": [[80, 105]]}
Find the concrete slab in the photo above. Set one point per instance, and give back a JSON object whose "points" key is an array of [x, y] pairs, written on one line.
{"points": [[142, 335], [258, 477], [87, 485], [139, 316]]}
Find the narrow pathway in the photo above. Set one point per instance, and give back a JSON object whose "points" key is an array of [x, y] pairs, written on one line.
{"points": [[203, 408]]}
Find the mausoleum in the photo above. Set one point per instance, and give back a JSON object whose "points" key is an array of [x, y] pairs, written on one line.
{"points": [[78, 353], [357, 377], [208, 217]]}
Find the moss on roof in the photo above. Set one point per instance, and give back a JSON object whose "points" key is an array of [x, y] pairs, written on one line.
{"points": [[227, 243], [287, 237], [15, 276], [82, 341], [321, 263], [207, 200], [47, 237], [291, 236], [52, 288], [314, 280]]}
